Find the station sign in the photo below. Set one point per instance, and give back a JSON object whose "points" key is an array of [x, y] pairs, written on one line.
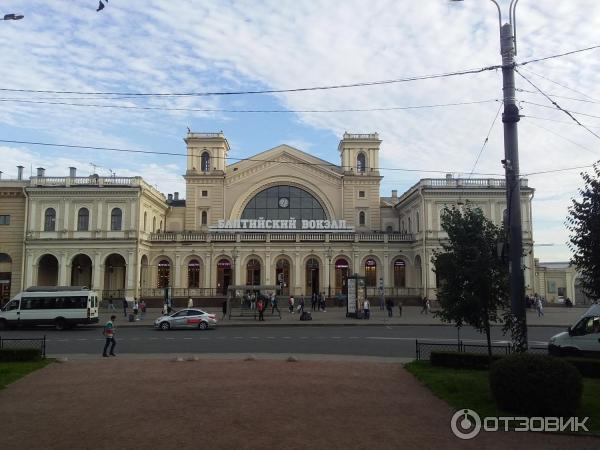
{"points": [[283, 225]]}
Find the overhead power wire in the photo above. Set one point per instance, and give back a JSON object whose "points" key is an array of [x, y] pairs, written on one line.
{"points": [[486, 139], [564, 138], [554, 107], [553, 120], [527, 91], [299, 163], [560, 55], [267, 111], [557, 105], [560, 84]]}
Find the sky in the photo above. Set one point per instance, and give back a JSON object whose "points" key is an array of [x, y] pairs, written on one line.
{"points": [[177, 46]]}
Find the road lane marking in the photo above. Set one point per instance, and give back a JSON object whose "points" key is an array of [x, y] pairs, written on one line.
{"points": [[187, 339], [170, 339], [81, 339], [238, 337]]}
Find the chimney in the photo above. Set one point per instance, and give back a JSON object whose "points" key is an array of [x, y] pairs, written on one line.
{"points": [[41, 172], [176, 196], [72, 172], [394, 193], [170, 197], [20, 172]]}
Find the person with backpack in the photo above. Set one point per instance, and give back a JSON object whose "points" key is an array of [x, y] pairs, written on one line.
{"points": [[291, 304], [260, 306], [274, 304], [109, 333]]}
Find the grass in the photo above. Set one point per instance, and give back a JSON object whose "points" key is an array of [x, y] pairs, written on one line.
{"points": [[462, 388], [12, 371]]}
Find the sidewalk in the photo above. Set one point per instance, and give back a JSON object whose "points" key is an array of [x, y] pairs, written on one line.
{"points": [[553, 317]]}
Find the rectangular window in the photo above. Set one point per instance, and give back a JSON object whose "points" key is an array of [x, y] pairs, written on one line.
{"points": [[4, 220], [361, 194], [204, 193]]}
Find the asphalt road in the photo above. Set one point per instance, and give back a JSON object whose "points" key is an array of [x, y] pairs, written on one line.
{"points": [[384, 341]]}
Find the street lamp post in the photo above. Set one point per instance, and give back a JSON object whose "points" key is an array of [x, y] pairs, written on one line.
{"points": [[13, 16], [510, 118], [329, 254]]}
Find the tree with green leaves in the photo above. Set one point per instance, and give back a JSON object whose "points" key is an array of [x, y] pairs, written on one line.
{"points": [[472, 278], [583, 224]]}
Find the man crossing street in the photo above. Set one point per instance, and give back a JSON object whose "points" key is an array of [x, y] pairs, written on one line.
{"points": [[109, 334]]}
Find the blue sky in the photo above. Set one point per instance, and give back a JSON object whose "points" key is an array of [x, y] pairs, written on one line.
{"points": [[151, 46]]}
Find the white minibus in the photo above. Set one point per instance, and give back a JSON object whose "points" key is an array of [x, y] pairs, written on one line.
{"points": [[60, 306], [581, 339]]}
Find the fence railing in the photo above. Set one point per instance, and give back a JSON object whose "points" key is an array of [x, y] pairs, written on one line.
{"points": [[25, 343], [423, 349]]}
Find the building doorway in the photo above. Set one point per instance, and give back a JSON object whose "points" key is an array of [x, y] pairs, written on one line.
{"points": [[341, 276], [253, 273], [370, 273], [223, 276], [282, 275], [114, 276], [312, 277], [81, 271], [5, 277], [47, 271]]}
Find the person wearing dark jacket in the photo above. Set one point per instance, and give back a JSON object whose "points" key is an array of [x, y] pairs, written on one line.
{"points": [[125, 307]]}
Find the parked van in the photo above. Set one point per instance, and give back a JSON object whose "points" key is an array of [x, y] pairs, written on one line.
{"points": [[60, 306], [581, 339]]}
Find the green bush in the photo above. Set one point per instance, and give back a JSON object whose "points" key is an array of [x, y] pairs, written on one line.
{"points": [[588, 367], [536, 385], [19, 354], [460, 360]]}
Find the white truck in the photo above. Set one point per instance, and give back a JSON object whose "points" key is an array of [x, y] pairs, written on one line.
{"points": [[581, 339]]}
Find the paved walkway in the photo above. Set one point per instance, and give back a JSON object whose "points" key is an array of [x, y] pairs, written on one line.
{"points": [[555, 316], [237, 404]]}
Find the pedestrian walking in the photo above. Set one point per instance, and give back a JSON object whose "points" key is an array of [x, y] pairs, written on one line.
{"points": [[540, 307], [260, 306], [136, 308], [301, 305], [165, 310], [224, 308], [125, 307], [142, 309], [274, 304], [389, 303], [252, 302], [169, 305], [400, 308], [323, 304], [381, 302], [367, 308], [109, 334], [190, 303], [425, 306], [313, 301], [291, 304], [111, 304]]}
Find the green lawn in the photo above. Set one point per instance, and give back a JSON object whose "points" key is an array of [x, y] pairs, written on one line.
{"points": [[12, 371], [462, 388]]}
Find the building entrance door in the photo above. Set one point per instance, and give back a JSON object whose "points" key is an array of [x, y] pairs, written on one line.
{"points": [[312, 277], [282, 275], [223, 276]]}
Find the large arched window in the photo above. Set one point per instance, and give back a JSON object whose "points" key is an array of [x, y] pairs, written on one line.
{"points": [[399, 273], [283, 203], [361, 163], [371, 272], [205, 162], [50, 220], [116, 219], [83, 219], [194, 274], [163, 274], [361, 218], [253, 272]]}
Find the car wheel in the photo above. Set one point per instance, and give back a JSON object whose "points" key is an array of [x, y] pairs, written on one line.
{"points": [[203, 325], [60, 324], [165, 326]]}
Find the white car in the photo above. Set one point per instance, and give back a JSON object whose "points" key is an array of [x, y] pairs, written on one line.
{"points": [[186, 318], [581, 339]]}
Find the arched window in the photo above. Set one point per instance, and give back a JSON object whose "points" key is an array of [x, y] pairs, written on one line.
{"points": [[145, 219], [204, 218], [164, 273], [194, 274], [389, 229], [361, 165], [361, 218], [205, 162], [50, 220], [83, 219], [399, 273], [371, 272], [160, 227], [253, 272], [116, 218]]}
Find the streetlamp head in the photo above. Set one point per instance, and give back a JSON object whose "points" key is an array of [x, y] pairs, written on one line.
{"points": [[13, 16]]}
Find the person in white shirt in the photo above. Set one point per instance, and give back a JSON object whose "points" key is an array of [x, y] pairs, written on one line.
{"points": [[367, 308], [190, 303]]}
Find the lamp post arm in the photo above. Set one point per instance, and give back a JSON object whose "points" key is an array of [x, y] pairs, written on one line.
{"points": [[499, 12], [513, 20]]}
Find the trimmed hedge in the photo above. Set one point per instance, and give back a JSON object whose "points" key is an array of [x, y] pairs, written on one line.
{"points": [[536, 385], [588, 367], [19, 354], [460, 360]]}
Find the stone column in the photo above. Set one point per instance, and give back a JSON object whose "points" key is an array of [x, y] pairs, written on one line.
{"points": [[130, 269], [97, 280], [176, 282], [297, 274], [63, 270]]}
